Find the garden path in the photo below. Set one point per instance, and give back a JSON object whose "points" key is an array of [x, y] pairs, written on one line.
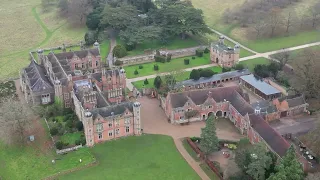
{"points": [[113, 43], [154, 121], [265, 55]]}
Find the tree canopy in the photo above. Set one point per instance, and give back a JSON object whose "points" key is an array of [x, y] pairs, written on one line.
{"points": [[209, 141]]}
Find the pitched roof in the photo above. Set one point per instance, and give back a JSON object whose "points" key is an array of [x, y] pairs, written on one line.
{"points": [[36, 76], [260, 85], [276, 142], [80, 54], [265, 105], [222, 47], [178, 100], [296, 101], [116, 109], [239, 103]]}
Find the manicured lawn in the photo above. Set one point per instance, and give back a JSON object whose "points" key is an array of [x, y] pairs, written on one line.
{"points": [[135, 158], [184, 76], [208, 171], [104, 50], [188, 148], [174, 64], [250, 64], [176, 43], [71, 137]]}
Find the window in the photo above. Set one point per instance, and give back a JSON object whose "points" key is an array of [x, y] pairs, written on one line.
{"points": [[210, 106], [100, 136], [229, 56], [181, 117], [110, 124], [97, 63], [117, 131], [127, 129], [45, 98], [110, 133], [66, 95], [67, 105], [127, 121], [82, 65], [99, 127], [117, 123]]}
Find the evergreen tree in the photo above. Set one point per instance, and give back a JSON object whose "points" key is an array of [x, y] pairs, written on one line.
{"points": [[289, 167], [209, 141], [195, 74], [157, 82]]}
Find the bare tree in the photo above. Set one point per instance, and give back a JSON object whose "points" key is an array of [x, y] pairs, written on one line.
{"points": [[227, 16], [63, 6], [315, 14], [274, 19], [289, 20], [283, 57], [306, 78], [78, 10], [15, 120], [259, 24]]}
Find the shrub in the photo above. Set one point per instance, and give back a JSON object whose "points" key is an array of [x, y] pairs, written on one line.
{"points": [[59, 145], [140, 67], [146, 81], [186, 61], [54, 131], [119, 51], [136, 72], [206, 73], [195, 74], [77, 142], [118, 63], [159, 58], [69, 124], [226, 69], [157, 82], [239, 66], [199, 52], [193, 57], [79, 125], [130, 47], [83, 141], [156, 67], [206, 51], [194, 139]]}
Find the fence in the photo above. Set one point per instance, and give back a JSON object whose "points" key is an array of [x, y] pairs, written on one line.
{"points": [[202, 156]]}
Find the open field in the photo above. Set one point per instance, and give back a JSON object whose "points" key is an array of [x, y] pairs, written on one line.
{"points": [[213, 11], [174, 64], [144, 157], [184, 76], [34, 160], [28, 28]]}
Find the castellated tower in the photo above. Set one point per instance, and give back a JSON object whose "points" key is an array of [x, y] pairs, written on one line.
{"points": [[137, 119], [87, 121]]}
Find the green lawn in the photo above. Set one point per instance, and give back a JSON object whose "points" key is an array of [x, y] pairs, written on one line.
{"points": [[250, 64], [174, 64], [188, 148], [184, 76], [176, 43], [104, 50], [149, 157], [208, 171], [70, 137]]}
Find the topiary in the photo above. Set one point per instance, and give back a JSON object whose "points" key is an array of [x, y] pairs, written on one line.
{"points": [[193, 57], [140, 67], [156, 67], [59, 145], [79, 125], [119, 51], [199, 52], [186, 61], [136, 72], [146, 81], [54, 131]]}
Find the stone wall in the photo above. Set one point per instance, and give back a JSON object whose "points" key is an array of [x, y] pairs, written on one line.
{"points": [[140, 59], [62, 151]]}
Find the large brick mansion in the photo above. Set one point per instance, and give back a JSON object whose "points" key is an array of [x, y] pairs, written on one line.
{"points": [[80, 82]]}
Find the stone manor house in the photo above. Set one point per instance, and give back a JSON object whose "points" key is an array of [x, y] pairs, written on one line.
{"points": [[80, 82], [229, 102]]}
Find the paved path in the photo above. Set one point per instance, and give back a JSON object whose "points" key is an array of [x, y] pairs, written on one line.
{"points": [[154, 121], [113, 43], [265, 55]]}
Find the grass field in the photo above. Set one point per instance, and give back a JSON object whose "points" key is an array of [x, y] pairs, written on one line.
{"points": [[174, 64], [176, 43], [208, 171], [27, 28], [144, 157], [184, 76], [213, 11], [70, 137], [188, 148], [250, 64]]}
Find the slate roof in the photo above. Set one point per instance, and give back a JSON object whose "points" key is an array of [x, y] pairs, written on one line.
{"points": [[265, 105], [216, 77], [36, 76], [276, 142], [260, 85], [222, 47], [80, 54], [296, 101], [240, 104], [116, 109]]}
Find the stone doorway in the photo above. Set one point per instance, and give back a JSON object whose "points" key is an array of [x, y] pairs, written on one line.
{"points": [[219, 114]]}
